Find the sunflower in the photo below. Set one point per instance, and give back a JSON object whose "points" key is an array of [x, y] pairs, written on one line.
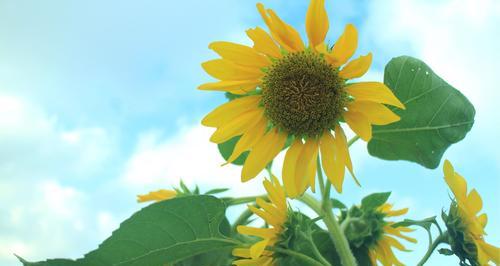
{"points": [[288, 90], [471, 223], [274, 213], [381, 250], [159, 195]]}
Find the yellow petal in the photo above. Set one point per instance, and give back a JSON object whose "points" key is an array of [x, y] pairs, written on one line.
{"points": [[268, 217], [262, 153], [263, 43], [289, 164], [356, 68], [328, 160], [226, 70], [283, 33], [345, 46], [272, 209], [341, 142], [159, 195], [231, 85], [316, 22], [474, 202], [275, 193], [400, 212], [259, 232], [240, 54], [359, 124], [457, 183], [373, 92], [491, 251], [483, 219], [396, 232], [230, 110], [237, 126], [395, 243], [257, 248], [377, 113], [241, 252], [248, 140], [307, 156]]}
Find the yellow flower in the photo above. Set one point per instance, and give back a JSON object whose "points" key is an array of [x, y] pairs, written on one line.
{"points": [[159, 195], [274, 213], [292, 91], [382, 250], [468, 206]]}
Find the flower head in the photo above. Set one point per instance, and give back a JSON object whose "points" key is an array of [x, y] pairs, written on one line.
{"points": [[290, 91], [466, 226], [274, 213], [381, 250]]}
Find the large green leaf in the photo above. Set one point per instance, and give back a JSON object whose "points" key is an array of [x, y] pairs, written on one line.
{"points": [[436, 116], [162, 233]]}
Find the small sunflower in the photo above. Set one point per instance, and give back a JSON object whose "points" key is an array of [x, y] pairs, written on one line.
{"points": [[381, 250], [159, 195], [274, 213], [471, 224], [293, 91]]}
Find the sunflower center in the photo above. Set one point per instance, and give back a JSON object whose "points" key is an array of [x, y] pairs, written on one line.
{"points": [[302, 94]]}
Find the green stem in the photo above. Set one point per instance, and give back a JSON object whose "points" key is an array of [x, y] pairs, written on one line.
{"points": [[439, 240], [336, 234], [312, 203], [316, 252], [310, 261], [351, 141], [243, 200]]}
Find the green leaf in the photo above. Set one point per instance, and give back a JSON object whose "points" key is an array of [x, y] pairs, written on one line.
{"points": [[337, 204], [446, 252], [436, 116], [216, 191], [163, 233], [226, 149], [375, 200]]}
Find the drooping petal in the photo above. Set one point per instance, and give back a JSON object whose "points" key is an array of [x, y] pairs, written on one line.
{"points": [[248, 140], [373, 92], [268, 217], [397, 232], [284, 34], [237, 126], [357, 67], [233, 86], [360, 124], [345, 46], [491, 251], [341, 142], [307, 156], [230, 110], [240, 54], [257, 248], [316, 22], [395, 243], [226, 70], [331, 165], [263, 43], [377, 113], [262, 153], [289, 168]]}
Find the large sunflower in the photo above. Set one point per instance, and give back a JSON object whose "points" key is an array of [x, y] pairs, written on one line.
{"points": [[381, 250], [470, 228], [298, 92], [274, 213]]}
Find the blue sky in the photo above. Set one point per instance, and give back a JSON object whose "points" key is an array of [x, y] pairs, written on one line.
{"points": [[98, 103]]}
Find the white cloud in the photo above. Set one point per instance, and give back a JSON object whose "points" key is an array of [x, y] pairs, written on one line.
{"points": [[189, 156]]}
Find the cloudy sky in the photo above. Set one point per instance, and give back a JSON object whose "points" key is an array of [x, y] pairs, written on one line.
{"points": [[98, 103]]}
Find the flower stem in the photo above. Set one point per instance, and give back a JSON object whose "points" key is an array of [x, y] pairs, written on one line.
{"points": [[439, 240], [242, 200], [336, 234]]}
